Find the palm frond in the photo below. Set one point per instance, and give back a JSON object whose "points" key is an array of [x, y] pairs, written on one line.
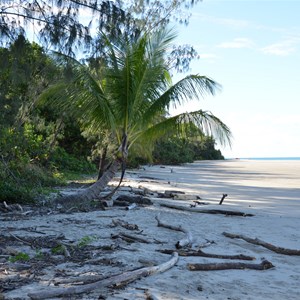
{"points": [[206, 122], [189, 88]]}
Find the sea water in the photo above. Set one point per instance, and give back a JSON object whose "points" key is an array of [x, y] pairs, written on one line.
{"points": [[272, 158]]}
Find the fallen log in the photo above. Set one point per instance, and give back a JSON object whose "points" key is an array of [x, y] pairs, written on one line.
{"points": [[141, 200], [208, 211], [114, 281], [264, 265], [187, 241], [204, 254], [259, 242]]}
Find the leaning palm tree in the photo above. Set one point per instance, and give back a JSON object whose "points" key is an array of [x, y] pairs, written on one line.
{"points": [[129, 97]]}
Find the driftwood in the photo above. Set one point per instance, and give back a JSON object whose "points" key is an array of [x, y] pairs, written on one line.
{"points": [[269, 246], [222, 199], [114, 281], [130, 238], [10, 208], [203, 254], [208, 211], [187, 241], [124, 224], [134, 199], [264, 265]]}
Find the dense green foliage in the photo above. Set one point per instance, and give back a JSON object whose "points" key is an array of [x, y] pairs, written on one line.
{"points": [[175, 150], [32, 138]]}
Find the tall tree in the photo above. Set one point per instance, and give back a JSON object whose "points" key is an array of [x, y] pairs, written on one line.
{"points": [[69, 24], [135, 89]]}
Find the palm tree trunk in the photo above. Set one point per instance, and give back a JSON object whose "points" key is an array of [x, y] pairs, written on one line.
{"points": [[102, 162], [83, 198]]}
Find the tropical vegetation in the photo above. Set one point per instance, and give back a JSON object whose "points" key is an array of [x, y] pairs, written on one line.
{"points": [[60, 114]]}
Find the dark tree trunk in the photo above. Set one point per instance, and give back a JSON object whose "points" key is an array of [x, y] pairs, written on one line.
{"points": [[102, 163], [83, 198]]}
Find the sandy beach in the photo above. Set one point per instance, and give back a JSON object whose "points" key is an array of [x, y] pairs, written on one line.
{"points": [[269, 190]]}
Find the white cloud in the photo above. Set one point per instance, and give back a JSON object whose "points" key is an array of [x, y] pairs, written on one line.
{"points": [[284, 48], [221, 21], [238, 43]]}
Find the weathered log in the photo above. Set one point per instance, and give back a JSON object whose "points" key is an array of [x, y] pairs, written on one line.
{"points": [[259, 242], [120, 203], [208, 211], [204, 254], [187, 241], [114, 281], [134, 199], [264, 265], [171, 194]]}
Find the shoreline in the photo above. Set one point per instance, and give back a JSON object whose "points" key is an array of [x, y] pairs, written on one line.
{"points": [[269, 191], [271, 186]]}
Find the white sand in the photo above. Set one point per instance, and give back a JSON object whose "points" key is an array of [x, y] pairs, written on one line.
{"points": [[268, 189]]}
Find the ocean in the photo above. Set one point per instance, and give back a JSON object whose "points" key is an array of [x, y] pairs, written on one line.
{"points": [[271, 158]]}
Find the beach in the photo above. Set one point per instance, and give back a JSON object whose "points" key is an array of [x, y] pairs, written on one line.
{"points": [[267, 192]]}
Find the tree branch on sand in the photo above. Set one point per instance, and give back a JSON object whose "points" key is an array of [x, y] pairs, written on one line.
{"points": [[187, 241], [264, 265], [204, 254], [208, 211], [114, 281], [259, 242]]}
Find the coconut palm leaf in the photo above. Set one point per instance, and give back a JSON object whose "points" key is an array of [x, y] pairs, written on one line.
{"points": [[206, 122]]}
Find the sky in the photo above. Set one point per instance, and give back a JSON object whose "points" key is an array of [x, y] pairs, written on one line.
{"points": [[252, 48]]}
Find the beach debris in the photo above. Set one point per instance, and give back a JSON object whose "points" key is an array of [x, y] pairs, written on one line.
{"points": [[200, 253], [222, 199], [138, 199], [171, 194], [264, 265], [185, 242], [207, 211], [116, 281], [131, 206], [124, 224], [196, 202], [129, 238], [259, 242]]}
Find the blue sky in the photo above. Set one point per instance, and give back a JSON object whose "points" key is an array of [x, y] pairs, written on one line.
{"points": [[252, 48]]}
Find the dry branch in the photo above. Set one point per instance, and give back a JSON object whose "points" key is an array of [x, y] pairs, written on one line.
{"points": [[203, 254], [222, 199], [130, 238], [115, 281], [269, 246], [187, 241], [264, 265], [124, 224], [208, 211]]}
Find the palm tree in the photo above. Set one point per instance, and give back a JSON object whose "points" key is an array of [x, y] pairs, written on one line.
{"points": [[130, 96]]}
